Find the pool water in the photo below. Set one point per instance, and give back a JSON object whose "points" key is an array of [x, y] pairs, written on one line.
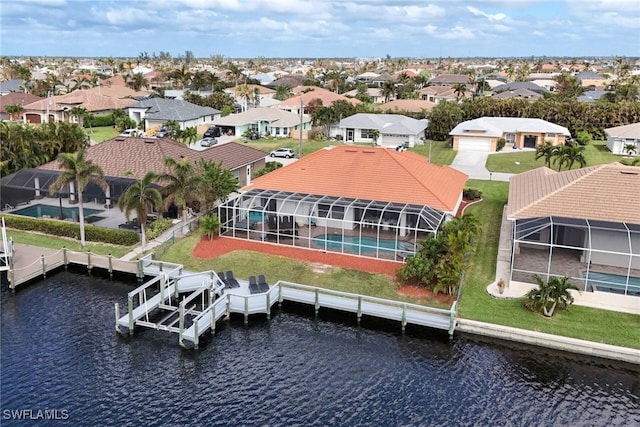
{"points": [[612, 282], [39, 211], [361, 244]]}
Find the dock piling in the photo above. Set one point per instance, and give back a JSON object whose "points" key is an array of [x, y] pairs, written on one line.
{"points": [[44, 267], [89, 266], [110, 258], [117, 317], [65, 258]]}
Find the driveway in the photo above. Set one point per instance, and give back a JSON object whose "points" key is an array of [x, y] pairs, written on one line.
{"points": [[473, 164]]}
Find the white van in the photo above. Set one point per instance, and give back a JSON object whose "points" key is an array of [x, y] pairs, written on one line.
{"points": [[132, 133]]}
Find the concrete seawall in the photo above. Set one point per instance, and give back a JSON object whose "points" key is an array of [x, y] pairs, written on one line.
{"points": [[557, 342]]}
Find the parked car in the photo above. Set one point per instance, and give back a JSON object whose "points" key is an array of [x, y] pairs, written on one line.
{"points": [[283, 152], [212, 132], [132, 133], [163, 133], [207, 142]]}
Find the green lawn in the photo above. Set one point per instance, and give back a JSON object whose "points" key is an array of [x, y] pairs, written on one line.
{"points": [[248, 263], [578, 322], [441, 153], [99, 134], [308, 147], [596, 153], [71, 244]]}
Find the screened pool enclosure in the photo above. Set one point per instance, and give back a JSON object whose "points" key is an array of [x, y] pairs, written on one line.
{"points": [[596, 255], [368, 228]]}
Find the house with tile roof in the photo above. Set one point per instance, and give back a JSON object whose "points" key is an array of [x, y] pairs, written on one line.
{"points": [[375, 94], [367, 201], [482, 134], [519, 85], [619, 138], [264, 121], [312, 94], [56, 108], [119, 155], [13, 85], [437, 94], [154, 112], [262, 96], [580, 224], [394, 129], [521, 93], [406, 105], [15, 98]]}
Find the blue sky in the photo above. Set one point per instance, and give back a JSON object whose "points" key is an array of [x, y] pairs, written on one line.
{"points": [[321, 28]]}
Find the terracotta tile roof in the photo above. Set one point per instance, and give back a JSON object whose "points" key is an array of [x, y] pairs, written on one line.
{"points": [[605, 192], [327, 97], [86, 99], [371, 174], [261, 89], [410, 105], [117, 91], [17, 98], [141, 155]]}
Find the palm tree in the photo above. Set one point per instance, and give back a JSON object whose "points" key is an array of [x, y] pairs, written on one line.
{"points": [[189, 135], [81, 171], [182, 185], [568, 155], [79, 114], [375, 134], [244, 91], [554, 291], [459, 89], [137, 82], [630, 149], [14, 111], [388, 90], [283, 91], [219, 182], [140, 197], [546, 151]]}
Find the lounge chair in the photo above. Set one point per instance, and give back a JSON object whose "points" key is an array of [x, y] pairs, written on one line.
{"points": [[262, 283], [231, 281], [253, 285], [223, 279]]}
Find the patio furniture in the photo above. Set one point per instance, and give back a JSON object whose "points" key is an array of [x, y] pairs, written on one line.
{"points": [[223, 279], [262, 283], [231, 281], [253, 285]]}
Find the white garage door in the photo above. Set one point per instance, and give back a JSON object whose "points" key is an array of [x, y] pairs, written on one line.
{"points": [[474, 144]]}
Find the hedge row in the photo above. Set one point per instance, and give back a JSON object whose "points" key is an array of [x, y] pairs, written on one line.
{"points": [[157, 227], [98, 121], [71, 229]]}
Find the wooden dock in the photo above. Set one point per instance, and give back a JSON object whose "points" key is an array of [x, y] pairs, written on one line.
{"points": [[208, 302], [23, 269]]}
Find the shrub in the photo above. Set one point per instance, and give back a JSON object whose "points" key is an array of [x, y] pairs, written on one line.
{"points": [[157, 227], [584, 138], [98, 121], [501, 143], [56, 227], [471, 193]]}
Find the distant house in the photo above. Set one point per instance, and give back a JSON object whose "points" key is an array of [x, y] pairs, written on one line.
{"points": [[15, 98], [520, 85], [261, 96], [449, 80], [619, 137], [579, 224], [157, 111], [9, 86], [406, 105], [313, 94], [521, 93], [589, 79], [483, 134], [591, 95], [264, 121], [56, 108], [394, 129], [375, 94], [437, 94], [364, 201]]}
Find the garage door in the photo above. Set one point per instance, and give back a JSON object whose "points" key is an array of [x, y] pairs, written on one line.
{"points": [[474, 144]]}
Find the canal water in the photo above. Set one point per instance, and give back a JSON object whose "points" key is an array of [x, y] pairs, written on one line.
{"points": [[60, 352]]}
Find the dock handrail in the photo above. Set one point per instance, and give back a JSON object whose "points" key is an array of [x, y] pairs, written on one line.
{"points": [[364, 298]]}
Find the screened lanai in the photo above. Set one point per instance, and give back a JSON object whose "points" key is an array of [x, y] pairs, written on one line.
{"points": [[369, 228], [596, 255], [29, 184]]}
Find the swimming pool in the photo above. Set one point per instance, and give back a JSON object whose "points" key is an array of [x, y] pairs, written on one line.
{"points": [[47, 211], [361, 244], [616, 283]]}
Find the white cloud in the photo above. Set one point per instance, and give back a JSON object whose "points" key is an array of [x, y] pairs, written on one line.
{"points": [[457, 32], [614, 18], [478, 12]]}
